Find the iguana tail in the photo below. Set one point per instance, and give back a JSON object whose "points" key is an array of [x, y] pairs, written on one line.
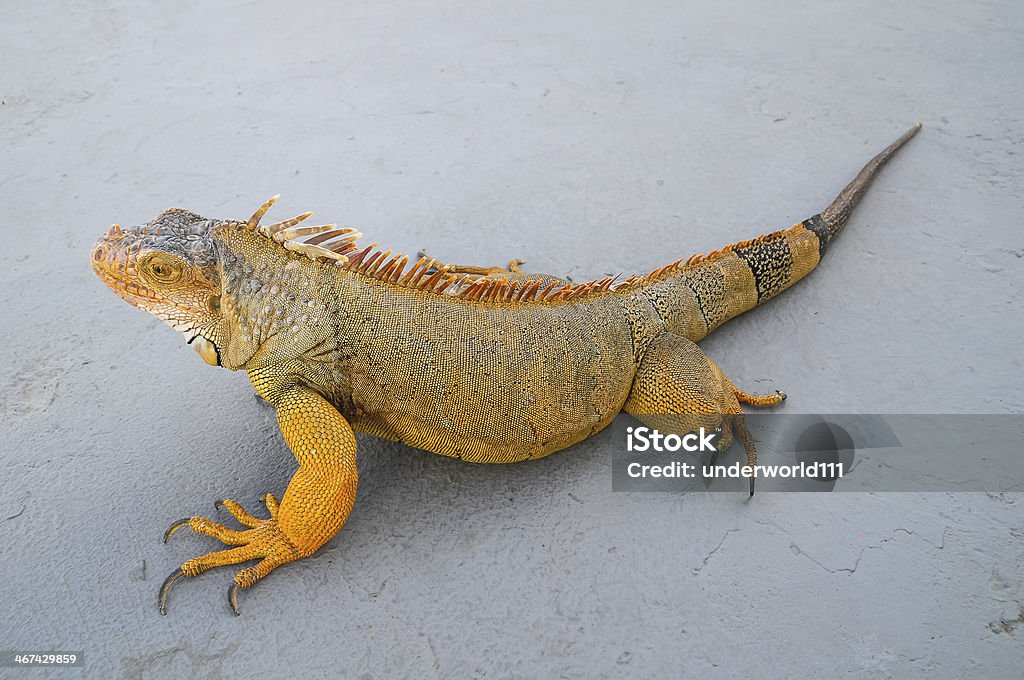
{"points": [[701, 294]]}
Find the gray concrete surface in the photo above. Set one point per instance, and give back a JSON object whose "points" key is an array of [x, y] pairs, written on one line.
{"points": [[587, 138]]}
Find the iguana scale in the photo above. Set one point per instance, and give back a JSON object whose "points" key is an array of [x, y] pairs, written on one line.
{"points": [[477, 363]]}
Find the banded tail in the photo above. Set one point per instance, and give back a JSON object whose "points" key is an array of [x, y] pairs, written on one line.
{"points": [[700, 295]]}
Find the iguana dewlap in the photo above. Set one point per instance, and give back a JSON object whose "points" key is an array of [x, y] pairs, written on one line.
{"points": [[486, 365]]}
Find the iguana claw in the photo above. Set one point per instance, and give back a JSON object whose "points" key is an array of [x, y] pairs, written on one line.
{"points": [[174, 527], [176, 576], [161, 600], [233, 598]]}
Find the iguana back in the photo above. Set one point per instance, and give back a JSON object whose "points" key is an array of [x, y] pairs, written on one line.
{"points": [[493, 381]]}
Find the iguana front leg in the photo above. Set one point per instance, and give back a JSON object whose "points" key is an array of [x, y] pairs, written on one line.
{"points": [[315, 505]]}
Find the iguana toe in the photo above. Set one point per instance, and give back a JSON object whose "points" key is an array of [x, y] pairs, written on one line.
{"points": [[271, 502], [238, 512]]}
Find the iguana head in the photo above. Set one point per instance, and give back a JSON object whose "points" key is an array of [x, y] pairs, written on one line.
{"points": [[168, 267]]}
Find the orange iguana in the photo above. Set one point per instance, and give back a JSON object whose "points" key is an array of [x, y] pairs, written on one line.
{"points": [[482, 364]]}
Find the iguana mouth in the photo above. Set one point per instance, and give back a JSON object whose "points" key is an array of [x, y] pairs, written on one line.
{"points": [[128, 290]]}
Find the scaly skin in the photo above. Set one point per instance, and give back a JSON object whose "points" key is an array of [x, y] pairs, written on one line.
{"points": [[478, 363]]}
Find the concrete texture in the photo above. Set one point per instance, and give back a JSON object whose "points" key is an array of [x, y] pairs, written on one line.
{"points": [[587, 138]]}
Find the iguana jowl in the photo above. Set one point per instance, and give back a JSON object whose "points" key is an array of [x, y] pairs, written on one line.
{"points": [[486, 365]]}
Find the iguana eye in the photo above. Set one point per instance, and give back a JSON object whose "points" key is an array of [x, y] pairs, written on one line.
{"points": [[161, 268]]}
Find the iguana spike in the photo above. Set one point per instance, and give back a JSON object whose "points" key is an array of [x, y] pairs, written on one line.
{"points": [[412, 272], [481, 292], [530, 290], [369, 263], [415, 281], [544, 293], [471, 290], [357, 259], [344, 235], [443, 281], [387, 269], [313, 252], [295, 232], [503, 289], [490, 286], [434, 278], [513, 290], [373, 267], [397, 273], [343, 247], [254, 221], [518, 295], [459, 288], [272, 229], [381, 266], [332, 255]]}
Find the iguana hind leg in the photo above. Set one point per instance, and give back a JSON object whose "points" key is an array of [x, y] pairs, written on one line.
{"points": [[513, 268], [677, 389], [315, 505]]}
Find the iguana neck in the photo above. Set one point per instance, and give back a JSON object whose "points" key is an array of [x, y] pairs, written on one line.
{"points": [[277, 307]]}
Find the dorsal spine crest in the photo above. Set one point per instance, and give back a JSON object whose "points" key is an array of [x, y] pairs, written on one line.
{"points": [[331, 243]]}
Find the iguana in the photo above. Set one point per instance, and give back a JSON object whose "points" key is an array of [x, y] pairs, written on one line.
{"points": [[478, 363]]}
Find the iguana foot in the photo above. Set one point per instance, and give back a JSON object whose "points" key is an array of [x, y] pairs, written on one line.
{"points": [[513, 268], [262, 540], [315, 505]]}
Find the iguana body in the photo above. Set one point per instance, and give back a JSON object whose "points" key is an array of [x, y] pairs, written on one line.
{"points": [[486, 366]]}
